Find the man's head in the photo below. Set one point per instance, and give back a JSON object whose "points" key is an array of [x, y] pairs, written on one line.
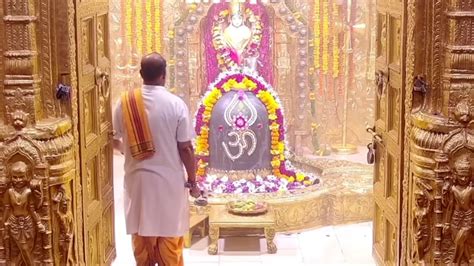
{"points": [[153, 69]]}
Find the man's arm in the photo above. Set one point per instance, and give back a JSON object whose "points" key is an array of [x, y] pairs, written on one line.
{"points": [[118, 145], [186, 152]]}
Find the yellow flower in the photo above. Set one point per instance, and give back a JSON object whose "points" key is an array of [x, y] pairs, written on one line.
{"points": [[274, 126], [249, 84], [272, 117], [275, 163], [204, 130], [224, 13], [300, 177], [291, 180], [281, 147], [229, 85], [307, 183]]}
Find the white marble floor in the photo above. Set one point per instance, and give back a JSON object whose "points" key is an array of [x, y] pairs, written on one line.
{"points": [[332, 245]]}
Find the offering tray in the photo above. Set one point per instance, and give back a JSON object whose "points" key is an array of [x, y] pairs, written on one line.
{"points": [[246, 207]]}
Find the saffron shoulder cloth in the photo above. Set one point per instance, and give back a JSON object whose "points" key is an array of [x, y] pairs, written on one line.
{"points": [[136, 122]]}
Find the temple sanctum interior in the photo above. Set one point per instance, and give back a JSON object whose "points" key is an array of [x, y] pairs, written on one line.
{"points": [[326, 132]]}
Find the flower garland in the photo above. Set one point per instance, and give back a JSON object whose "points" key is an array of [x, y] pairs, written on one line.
{"points": [[226, 58], [325, 37], [317, 34], [335, 42], [226, 82], [149, 30], [158, 25], [139, 26], [128, 21]]}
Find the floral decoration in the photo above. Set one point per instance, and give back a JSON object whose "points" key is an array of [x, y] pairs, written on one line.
{"points": [[267, 184], [149, 31], [326, 38], [335, 42], [128, 21], [317, 34], [281, 167], [139, 27]]}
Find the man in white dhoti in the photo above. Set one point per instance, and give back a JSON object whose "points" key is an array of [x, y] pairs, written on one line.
{"points": [[153, 130]]}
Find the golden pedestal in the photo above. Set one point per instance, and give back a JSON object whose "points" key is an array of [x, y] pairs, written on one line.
{"points": [[221, 218]]}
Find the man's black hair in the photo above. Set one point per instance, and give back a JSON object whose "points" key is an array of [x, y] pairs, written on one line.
{"points": [[153, 69]]}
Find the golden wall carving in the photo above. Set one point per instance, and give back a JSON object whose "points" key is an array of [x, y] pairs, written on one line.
{"points": [[440, 193], [37, 143]]}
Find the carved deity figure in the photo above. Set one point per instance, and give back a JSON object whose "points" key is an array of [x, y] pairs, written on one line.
{"points": [[20, 216], [421, 224], [459, 198], [66, 229], [237, 35]]}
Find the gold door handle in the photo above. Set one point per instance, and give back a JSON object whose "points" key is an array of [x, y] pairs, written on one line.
{"points": [[376, 137]]}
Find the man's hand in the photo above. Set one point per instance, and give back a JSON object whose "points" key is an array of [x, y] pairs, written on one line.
{"points": [[195, 192]]}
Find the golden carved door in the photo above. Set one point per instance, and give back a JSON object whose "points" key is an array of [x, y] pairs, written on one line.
{"points": [[95, 127], [388, 132]]}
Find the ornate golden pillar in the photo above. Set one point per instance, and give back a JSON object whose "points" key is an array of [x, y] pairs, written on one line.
{"points": [[441, 192], [37, 162]]}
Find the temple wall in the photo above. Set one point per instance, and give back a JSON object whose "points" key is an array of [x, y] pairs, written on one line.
{"points": [[318, 105]]}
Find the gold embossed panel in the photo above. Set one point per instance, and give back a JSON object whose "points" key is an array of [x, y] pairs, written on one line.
{"points": [[87, 46], [108, 235], [394, 105], [106, 167], [90, 115], [91, 183], [391, 244], [93, 252], [381, 35], [379, 174], [395, 42], [95, 129], [389, 130], [392, 182], [378, 236]]}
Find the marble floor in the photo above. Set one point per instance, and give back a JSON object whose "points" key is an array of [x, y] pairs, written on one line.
{"points": [[332, 245]]}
